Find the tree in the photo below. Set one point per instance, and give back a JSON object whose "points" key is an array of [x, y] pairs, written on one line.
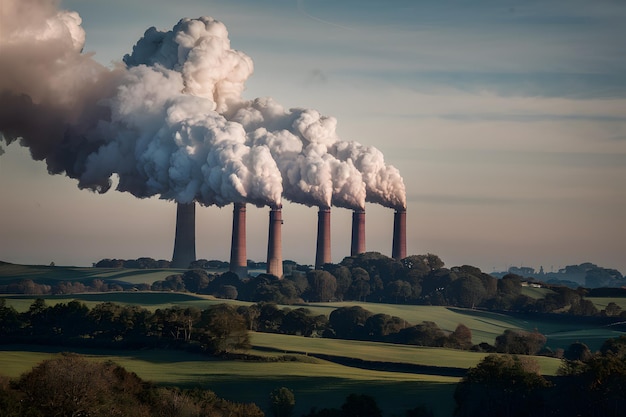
{"points": [[228, 292], [399, 290], [174, 403], [597, 384], [282, 402], [176, 322], [360, 286], [578, 352], [501, 386], [299, 281], [417, 263], [270, 317], [69, 320], [39, 320], [269, 288], [344, 279], [73, 386], [222, 329], [426, 333], [302, 322], [196, 280], [360, 405], [11, 401], [615, 346], [612, 309], [322, 285], [467, 291], [520, 342], [510, 284], [10, 321], [461, 337], [348, 322], [70, 385], [378, 326]]}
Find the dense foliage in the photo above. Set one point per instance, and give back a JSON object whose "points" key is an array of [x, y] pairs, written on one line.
{"points": [[223, 328], [589, 384], [71, 385], [372, 277], [217, 330]]}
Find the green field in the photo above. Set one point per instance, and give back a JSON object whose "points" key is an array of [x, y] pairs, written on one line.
{"points": [[485, 325], [602, 302], [51, 274], [314, 382], [536, 293]]}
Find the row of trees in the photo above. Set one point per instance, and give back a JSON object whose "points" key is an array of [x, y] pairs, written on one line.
{"points": [[418, 279], [218, 329], [224, 328]]}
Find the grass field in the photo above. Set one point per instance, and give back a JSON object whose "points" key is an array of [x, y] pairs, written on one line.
{"points": [[51, 274], [485, 325], [535, 293], [314, 382], [373, 351], [602, 302]]}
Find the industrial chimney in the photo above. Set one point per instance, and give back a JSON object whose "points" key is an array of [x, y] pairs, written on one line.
{"points": [[238, 259], [185, 240], [275, 243], [358, 232], [322, 254], [398, 250]]}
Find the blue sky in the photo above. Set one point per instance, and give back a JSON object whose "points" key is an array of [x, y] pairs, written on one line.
{"points": [[507, 120]]}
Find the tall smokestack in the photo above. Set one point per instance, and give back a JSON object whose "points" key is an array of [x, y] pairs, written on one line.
{"points": [[185, 241], [358, 232], [275, 243], [322, 254], [238, 259], [398, 250]]}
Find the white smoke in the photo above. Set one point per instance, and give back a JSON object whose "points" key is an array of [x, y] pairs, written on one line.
{"points": [[383, 182], [200, 50], [172, 122]]}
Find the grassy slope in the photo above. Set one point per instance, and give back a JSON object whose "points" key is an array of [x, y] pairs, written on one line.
{"points": [[602, 302], [318, 383], [373, 351], [485, 325], [50, 274], [535, 293]]}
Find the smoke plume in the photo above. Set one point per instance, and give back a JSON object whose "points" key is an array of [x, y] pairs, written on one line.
{"points": [[170, 121]]}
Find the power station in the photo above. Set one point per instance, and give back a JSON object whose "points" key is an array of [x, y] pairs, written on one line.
{"points": [[185, 246]]}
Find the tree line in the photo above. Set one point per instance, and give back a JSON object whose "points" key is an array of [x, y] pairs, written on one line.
{"points": [[371, 277], [222, 329]]}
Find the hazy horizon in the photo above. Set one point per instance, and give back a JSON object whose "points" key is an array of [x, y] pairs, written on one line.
{"points": [[505, 119]]}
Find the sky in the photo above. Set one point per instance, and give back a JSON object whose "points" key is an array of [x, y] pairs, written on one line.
{"points": [[506, 119]]}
